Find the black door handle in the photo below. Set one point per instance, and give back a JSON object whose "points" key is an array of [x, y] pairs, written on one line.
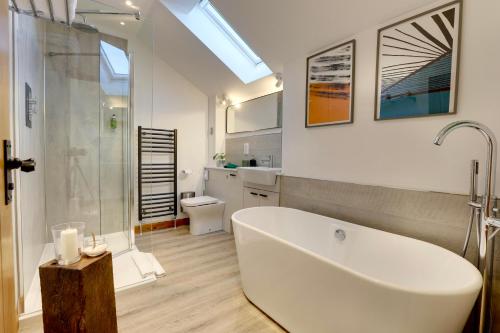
{"points": [[25, 166], [28, 165]]}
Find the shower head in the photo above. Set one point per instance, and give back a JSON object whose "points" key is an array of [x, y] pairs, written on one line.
{"points": [[84, 27]]}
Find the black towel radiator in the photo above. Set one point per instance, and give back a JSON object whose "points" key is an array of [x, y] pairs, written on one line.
{"points": [[157, 143]]}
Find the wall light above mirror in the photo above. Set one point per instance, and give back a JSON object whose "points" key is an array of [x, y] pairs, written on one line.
{"points": [[260, 113]]}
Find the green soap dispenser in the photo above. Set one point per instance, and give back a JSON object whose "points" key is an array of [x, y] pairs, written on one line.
{"points": [[113, 123]]}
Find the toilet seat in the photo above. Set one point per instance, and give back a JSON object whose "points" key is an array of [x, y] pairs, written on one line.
{"points": [[205, 214], [199, 201]]}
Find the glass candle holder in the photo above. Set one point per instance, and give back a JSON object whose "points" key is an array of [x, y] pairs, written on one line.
{"points": [[68, 242], [99, 240]]}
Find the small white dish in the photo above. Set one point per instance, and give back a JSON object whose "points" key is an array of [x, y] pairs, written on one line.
{"points": [[95, 251]]}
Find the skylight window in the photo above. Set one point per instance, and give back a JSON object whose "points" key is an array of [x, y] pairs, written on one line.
{"points": [[116, 59], [219, 20], [206, 23]]}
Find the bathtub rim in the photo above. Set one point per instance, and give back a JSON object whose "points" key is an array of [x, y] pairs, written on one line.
{"points": [[468, 289]]}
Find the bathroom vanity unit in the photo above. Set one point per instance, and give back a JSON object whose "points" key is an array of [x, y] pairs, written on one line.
{"points": [[229, 186]]}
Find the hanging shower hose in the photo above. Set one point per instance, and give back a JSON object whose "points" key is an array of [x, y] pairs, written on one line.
{"points": [[474, 216]]}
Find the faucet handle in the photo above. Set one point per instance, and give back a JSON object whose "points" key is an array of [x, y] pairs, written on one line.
{"points": [[492, 221], [474, 204]]}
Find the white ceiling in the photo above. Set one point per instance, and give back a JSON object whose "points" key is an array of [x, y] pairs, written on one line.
{"points": [[281, 30], [185, 53], [278, 30]]}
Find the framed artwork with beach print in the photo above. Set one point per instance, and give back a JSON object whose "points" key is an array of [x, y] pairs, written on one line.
{"points": [[330, 86], [417, 65]]}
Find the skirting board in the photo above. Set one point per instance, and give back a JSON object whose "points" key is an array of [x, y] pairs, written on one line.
{"points": [[146, 227]]}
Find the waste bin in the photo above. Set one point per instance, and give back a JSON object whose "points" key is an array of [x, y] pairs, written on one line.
{"points": [[189, 194]]}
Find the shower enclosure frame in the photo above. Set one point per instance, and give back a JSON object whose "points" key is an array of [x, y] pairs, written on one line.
{"points": [[129, 178]]}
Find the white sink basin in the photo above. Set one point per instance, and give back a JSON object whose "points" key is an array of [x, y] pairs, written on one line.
{"points": [[259, 175]]}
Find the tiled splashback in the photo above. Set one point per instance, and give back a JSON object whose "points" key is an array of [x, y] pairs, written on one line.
{"points": [[261, 147]]}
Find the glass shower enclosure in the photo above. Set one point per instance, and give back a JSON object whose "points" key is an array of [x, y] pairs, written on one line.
{"points": [[87, 132], [73, 97]]}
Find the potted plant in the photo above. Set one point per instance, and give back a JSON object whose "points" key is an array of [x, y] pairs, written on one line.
{"points": [[220, 159]]}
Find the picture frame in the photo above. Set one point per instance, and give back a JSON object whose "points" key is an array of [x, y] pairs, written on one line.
{"points": [[418, 64], [330, 86]]}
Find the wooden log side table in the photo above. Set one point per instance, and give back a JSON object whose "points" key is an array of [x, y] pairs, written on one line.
{"points": [[79, 298]]}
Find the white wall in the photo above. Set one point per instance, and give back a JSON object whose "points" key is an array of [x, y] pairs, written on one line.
{"points": [[178, 104], [216, 128], [399, 153], [142, 101]]}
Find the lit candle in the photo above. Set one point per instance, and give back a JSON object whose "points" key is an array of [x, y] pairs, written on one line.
{"points": [[69, 244]]}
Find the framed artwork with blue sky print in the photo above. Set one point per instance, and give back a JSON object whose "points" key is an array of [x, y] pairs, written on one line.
{"points": [[417, 65]]}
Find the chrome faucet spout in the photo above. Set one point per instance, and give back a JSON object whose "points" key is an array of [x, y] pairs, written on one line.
{"points": [[487, 223], [491, 157], [483, 129]]}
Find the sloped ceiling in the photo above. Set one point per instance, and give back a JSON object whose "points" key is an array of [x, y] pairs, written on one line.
{"points": [[278, 30], [281, 30], [184, 52]]}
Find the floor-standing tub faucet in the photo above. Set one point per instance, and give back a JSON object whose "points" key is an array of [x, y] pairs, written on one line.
{"points": [[488, 224]]}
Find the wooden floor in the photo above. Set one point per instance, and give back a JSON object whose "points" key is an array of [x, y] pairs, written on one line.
{"points": [[201, 293]]}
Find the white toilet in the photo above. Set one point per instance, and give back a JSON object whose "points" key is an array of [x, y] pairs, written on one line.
{"points": [[205, 214]]}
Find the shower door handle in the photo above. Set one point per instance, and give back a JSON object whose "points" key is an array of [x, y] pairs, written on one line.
{"points": [[13, 164], [25, 165]]}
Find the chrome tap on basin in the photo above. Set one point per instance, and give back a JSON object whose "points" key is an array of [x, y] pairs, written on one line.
{"points": [[488, 223]]}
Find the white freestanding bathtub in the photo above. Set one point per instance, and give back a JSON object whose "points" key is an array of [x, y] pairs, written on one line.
{"points": [[297, 269]]}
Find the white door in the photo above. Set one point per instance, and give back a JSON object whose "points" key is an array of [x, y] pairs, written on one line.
{"points": [[8, 311]]}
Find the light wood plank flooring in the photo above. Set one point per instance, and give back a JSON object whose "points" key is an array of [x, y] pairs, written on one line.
{"points": [[201, 293]]}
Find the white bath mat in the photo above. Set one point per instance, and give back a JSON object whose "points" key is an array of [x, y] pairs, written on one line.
{"points": [[147, 264], [159, 271]]}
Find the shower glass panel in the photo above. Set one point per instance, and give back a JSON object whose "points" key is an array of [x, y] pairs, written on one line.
{"points": [[81, 128], [72, 127], [126, 56], [115, 140], [86, 123]]}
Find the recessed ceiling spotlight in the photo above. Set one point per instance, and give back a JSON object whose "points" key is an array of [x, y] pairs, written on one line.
{"points": [[122, 23]]}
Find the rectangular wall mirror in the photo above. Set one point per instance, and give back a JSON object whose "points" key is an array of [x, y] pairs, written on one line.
{"points": [[256, 114]]}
